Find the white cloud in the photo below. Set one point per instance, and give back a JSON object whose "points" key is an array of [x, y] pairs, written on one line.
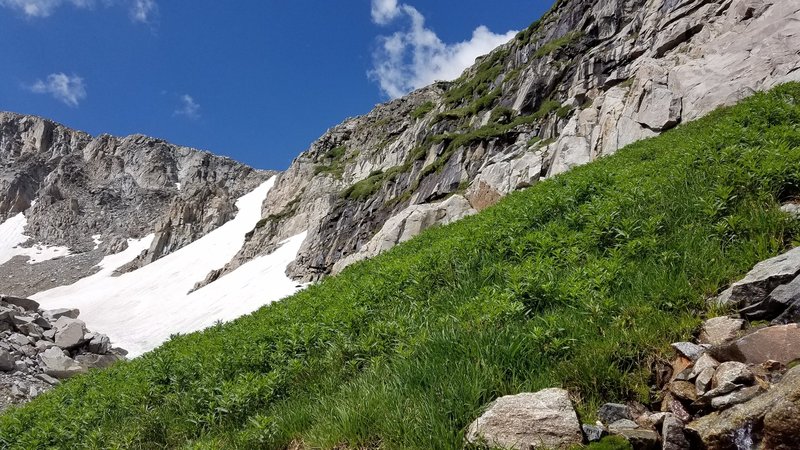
{"points": [[143, 11], [415, 56], [68, 89], [188, 108]]}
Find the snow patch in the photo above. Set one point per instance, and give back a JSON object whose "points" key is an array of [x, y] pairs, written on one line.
{"points": [[97, 241], [178, 186], [12, 235], [141, 309]]}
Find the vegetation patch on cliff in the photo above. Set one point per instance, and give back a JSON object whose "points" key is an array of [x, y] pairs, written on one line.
{"points": [[576, 282]]}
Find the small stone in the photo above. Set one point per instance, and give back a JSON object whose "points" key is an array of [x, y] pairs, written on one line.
{"points": [[640, 439], [732, 372], [47, 379], [593, 433], [31, 330], [722, 389], [99, 344], [19, 340], [720, 330], [689, 350], [612, 412], [58, 365], [703, 363], [673, 435], [703, 381], [50, 335], [683, 390], [622, 424], [657, 419], [735, 398]]}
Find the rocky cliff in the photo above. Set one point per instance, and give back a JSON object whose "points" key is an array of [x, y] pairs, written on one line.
{"points": [[587, 79], [88, 195]]}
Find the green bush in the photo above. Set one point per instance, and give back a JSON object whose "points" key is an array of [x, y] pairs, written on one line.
{"points": [[577, 282], [422, 110]]}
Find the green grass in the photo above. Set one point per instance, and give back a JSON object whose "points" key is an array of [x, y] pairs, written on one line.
{"points": [[422, 110], [579, 282], [558, 43]]}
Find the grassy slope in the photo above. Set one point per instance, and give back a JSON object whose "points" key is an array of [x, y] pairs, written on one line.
{"points": [[576, 282]]}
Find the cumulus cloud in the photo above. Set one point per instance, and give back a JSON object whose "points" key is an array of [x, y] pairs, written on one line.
{"points": [[188, 108], [142, 11], [415, 56], [68, 89]]}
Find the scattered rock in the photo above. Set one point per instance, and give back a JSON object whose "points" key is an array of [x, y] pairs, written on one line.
{"points": [[545, 419], [640, 439], [689, 350], [683, 390], [593, 433], [612, 412], [673, 436], [720, 330], [732, 372], [704, 362], [777, 409], [6, 361], [622, 424], [703, 381], [736, 397], [24, 303]]}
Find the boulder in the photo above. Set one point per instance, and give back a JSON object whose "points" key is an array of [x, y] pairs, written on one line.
{"points": [[776, 413], [782, 298], [99, 344], [59, 365], [24, 303], [780, 343], [92, 361], [612, 412], [55, 314], [545, 419], [720, 330], [703, 363], [672, 435], [792, 209], [19, 340], [703, 381], [69, 332], [684, 390], [6, 361], [762, 279]]}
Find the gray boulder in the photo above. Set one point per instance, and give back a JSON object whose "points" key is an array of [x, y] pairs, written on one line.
{"points": [[24, 303], [59, 365], [6, 361], [689, 350], [612, 412], [99, 344], [673, 436], [541, 420], [69, 332], [55, 314], [759, 282]]}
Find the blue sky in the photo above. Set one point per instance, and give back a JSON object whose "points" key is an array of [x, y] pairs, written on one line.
{"points": [[256, 80]]}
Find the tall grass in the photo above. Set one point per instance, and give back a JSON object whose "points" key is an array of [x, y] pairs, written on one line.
{"points": [[577, 282]]}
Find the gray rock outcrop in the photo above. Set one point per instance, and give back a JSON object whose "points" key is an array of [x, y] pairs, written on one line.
{"points": [[586, 80]]}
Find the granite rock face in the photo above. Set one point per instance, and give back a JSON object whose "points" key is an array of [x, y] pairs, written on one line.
{"points": [[589, 78], [90, 194]]}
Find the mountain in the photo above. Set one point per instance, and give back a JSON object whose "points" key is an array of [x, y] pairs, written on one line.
{"points": [[152, 241], [580, 282]]}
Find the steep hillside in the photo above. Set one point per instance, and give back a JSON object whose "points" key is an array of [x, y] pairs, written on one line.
{"points": [[588, 78], [579, 281], [66, 192]]}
